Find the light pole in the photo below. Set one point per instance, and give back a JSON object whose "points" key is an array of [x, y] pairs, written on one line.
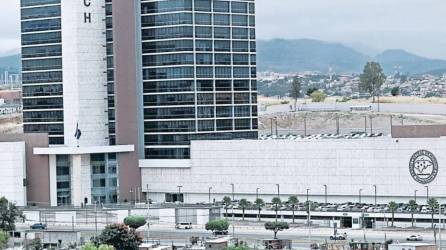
{"points": [[308, 217], [374, 187], [278, 190], [257, 193], [179, 194], [360, 191], [232, 209], [415, 195], [427, 194], [325, 193], [210, 188]]}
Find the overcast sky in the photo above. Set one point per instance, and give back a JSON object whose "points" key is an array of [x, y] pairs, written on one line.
{"points": [[418, 26]]}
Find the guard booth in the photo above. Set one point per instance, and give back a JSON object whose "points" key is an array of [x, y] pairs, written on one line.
{"points": [[357, 222]]}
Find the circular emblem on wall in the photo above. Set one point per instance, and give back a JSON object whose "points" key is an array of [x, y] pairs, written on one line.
{"points": [[423, 166]]}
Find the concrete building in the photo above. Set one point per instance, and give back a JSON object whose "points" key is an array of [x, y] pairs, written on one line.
{"points": [[344, 170], [136, 81]]}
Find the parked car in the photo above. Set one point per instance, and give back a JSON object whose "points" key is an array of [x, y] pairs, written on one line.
{"points": [[184, 225], [338, 237], [224, 232], [414, 238], [38, 226], [314, 246]]}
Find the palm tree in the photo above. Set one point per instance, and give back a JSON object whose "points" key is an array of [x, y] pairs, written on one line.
{"points": [[393, 206], [259, 204], [293, 201], [227, 202], [277, 202], [433, 204], [243, 203], [412, 206]]}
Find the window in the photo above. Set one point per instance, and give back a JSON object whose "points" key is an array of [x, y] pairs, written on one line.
{"points": [[221, 6], [204, 19], [204, 59], [221, 19]]}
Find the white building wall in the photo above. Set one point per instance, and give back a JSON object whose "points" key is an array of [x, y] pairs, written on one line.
{"points": [[344, 165], [84, 72], [13, 171]]}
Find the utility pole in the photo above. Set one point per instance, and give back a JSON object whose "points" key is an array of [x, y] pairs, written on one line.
{"points": [[427, 194], [374, 187], [325, 193], [232, 208], [278, 190], [210, 188]]}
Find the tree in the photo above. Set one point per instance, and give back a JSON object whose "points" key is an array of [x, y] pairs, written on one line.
{"points": [[217, 225], [227, 202], [4, 237], [277, 203], [9, 213], [243, 203], [318, 96], [433, 204], [276, 227], [295, 89], [92, 246], [395, 91], [311, 90], [293, 201], [135, 221], [412, 206], [393, 206], [259, 203], [372, 78], [35, 244], [242, 247], [120, 236]]}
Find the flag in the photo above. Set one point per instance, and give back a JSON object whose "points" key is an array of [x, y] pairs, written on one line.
{"points": [[78, 132]]}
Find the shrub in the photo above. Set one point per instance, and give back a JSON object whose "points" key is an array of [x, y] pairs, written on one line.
{"points": [[217, 225], [135, 221], [318, 96]]}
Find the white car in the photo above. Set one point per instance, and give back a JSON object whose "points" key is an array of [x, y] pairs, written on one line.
{"points": [[414, 238]]}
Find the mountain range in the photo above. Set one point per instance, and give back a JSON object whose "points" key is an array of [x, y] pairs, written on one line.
{"points": [[299, 55], [284, 56], [10, 63]]}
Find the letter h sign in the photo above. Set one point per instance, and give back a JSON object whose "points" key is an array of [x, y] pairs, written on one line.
{"points": [[87, 15]]}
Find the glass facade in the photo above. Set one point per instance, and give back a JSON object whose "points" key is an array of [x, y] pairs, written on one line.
{"points": [[110, 72], [63, 179], [199, 73], [42, 68], [104, 178]]}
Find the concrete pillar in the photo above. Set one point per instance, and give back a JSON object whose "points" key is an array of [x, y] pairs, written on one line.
{"points": [[53, 180], [76, 180]]}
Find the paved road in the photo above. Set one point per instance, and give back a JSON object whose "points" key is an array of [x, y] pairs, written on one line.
{"points": [[253, 233], [428, 109]]}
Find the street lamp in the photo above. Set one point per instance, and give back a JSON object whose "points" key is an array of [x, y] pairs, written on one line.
{"points": [[415, 195], [374, 187], [232, 209], [325, 193], [278, 190], [210, 188], [179, 193], [427, 194], [360, 191]]}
